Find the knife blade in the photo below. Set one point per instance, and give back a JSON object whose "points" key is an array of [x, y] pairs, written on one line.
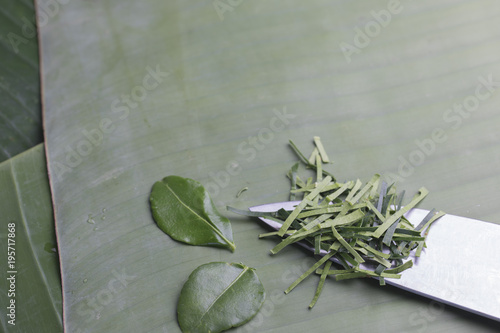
{"points": [[460, 266]]}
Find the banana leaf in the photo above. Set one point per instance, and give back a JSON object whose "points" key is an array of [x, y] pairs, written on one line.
{"points": [[213, 91], [20, 116], [33, 280]]}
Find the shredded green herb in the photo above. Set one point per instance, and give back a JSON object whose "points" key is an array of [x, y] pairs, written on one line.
{"points": [[361, 227], [241, 191]]}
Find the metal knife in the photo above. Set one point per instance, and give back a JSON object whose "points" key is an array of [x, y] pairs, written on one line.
{"points": [[460, 267]]}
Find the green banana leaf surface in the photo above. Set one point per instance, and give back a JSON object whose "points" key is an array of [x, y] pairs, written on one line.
{"points": [[213, 91], [20, 116], [30, 276]]}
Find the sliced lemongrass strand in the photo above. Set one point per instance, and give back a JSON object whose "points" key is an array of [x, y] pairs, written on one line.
{"points": [[321, 283], [389, 234], [393, 218], [309, 271], [300, 182], [374, 190], [321, 149], [319, 169], [420, 247], [427, 224], [285, 242], [334, 271], [400, 200], [337, 193], [305, 160], [390, 231], [317, 244], [400, 268], [376, 211], [408, 238], [241, 191], [302, 205], [356, 187], [364, 190], [312, 158], [347, 276], [274, 233], [383, 274], [384, 262], [251, 213], [361, 250], [299, 153], [372, 250], [380, 268], [383, 192], [348, 258], [293, 180], [319, 211], [347, 246], [316, 222], [426, 219], [342, 220]]}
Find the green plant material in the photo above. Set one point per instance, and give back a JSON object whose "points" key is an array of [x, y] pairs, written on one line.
{"points": [[314, 154], [292, 174], [310, 270], [398, 214], [321, 283], [321, 150], [343, 220], [20, 111], [226, 78], [241, 191], [401, 267], [218, 296], [182, 208], [27, 242], [306, 161], [426, 225], [302, 205]]}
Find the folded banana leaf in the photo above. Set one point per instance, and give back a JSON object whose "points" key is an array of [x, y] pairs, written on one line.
{"points": [[213, 91], [31, 285], [20, 116]]}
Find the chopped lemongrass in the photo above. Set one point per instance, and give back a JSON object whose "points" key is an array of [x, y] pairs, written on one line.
{"points": [[393, 218], [347, 246], [400, 268], [268, 234], [320, 284], [317, 244], [241, 191], [364, 190], [309, 271], [390, 231], [321, 149], [305, 160], [293, 180], [351, 194], [302, 205], [312, 158], [361, 227], [319, 169], [420, 247], [346, 276]]}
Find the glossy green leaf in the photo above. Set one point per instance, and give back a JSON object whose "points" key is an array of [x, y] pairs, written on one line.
{"points": [[230, 94], [218, 296], [20, 112], [183, 209], [36, 284]]}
